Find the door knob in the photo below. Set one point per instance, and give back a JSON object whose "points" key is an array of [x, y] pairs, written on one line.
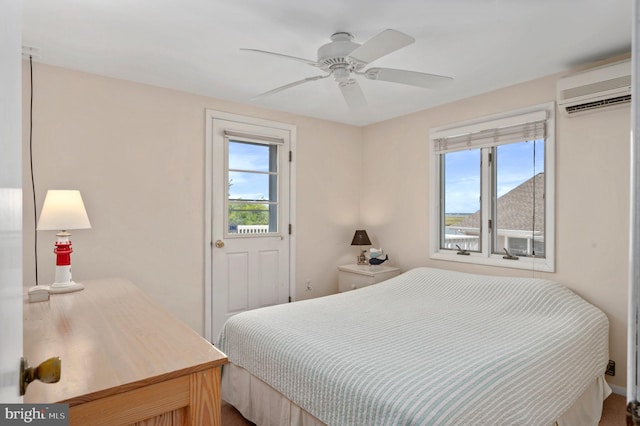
{"points": [[47, 372], [219, 243]]}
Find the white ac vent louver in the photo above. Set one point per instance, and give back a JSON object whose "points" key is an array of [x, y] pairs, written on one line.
{"points": [[594, 89]]}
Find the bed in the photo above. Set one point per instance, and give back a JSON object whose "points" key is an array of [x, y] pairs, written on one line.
{"points": [[428, 347]]}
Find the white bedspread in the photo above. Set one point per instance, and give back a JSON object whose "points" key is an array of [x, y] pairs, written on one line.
{"points": [[429, 347]]}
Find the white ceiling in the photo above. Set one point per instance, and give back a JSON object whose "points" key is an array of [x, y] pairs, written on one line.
{"points": [[194, 45]]}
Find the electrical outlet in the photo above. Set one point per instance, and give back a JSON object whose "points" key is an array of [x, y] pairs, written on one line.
{"points": [[307, 282], [611, 368]]}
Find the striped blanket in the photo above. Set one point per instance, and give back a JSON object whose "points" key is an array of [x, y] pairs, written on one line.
{"points": [[429, 347]]}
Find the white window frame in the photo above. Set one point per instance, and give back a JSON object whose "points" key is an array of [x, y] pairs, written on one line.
{"points": [[485, 257]]}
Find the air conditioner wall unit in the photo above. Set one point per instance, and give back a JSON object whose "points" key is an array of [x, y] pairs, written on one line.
{"points": [[594, 89]]}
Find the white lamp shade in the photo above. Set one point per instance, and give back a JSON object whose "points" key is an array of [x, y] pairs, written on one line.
{"points": [[63, 210]]}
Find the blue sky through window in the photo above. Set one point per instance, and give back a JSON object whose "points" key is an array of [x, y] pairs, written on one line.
{"points": [[462, 173], [248, 157], [462, 182]]}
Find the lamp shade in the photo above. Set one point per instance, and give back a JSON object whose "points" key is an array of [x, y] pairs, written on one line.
{"points": [[63, 210], [360, 238]]}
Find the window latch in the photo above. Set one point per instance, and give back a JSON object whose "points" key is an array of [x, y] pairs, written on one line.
{"points": [[462, 251], [509, 256]]}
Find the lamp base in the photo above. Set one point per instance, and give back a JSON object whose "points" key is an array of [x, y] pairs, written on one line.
{"points": [[65, 287]]}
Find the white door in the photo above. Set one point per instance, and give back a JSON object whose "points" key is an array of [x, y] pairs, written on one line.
{"points": [[250, 224], [10, 201]]}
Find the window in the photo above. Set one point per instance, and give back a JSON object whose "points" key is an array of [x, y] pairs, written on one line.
{"points": [[252, 174], [492, 189]]}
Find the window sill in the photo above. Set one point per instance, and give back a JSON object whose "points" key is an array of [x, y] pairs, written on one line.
{"points": [[526, 263]]}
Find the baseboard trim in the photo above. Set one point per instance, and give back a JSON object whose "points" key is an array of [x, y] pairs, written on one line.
{"points": [[618, 390]]}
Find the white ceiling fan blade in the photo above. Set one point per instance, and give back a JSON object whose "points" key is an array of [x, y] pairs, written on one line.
{"points": [[295, 58], [290, 85], [380, 45], [412, 78], [353, 94]]}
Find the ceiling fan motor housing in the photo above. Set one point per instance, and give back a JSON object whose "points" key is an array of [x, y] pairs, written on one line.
{"points": [[333, 55]]}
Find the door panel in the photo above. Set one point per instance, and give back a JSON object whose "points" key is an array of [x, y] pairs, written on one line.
{"points": [[250, 212], [238, 280], [268, 275], [10, 202]]}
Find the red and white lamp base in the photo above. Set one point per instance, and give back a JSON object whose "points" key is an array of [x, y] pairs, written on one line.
{"points": [[63, 282]]}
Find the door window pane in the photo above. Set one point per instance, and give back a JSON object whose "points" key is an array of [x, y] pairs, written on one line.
{"points": [[251, 186], [461, 185], [250, 218], [249, 156], [252, 203]]}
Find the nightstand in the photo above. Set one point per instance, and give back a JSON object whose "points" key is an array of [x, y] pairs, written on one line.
{"points": [[351, 277]]}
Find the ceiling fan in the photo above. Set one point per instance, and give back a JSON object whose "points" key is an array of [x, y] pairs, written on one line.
{"points": [[343, 59]]}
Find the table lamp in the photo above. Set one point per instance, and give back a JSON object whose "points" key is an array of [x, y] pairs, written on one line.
{"points": [[63, 210], [360, 238]]}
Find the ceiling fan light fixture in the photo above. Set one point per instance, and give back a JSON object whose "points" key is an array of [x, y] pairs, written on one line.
{"points": [[341, 74]]}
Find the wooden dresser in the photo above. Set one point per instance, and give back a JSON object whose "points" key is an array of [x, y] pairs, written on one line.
{"points": [[125, 360]]}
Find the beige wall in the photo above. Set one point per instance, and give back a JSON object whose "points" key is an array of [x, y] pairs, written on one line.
{"points": [[136, 153], [592, 194]]}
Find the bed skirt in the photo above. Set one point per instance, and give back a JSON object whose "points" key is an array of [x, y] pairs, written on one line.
{"points": [[265, 406]]}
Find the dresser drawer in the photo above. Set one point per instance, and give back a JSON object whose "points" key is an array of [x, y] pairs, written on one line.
{"points": [[352, 277]]}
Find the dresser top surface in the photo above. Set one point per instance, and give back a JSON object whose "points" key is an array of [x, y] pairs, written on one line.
{"points": [[109, 336], [369, 270]]}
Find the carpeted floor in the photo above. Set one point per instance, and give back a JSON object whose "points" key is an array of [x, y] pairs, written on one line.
{"points": [[231, 416], [614, 413]]}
